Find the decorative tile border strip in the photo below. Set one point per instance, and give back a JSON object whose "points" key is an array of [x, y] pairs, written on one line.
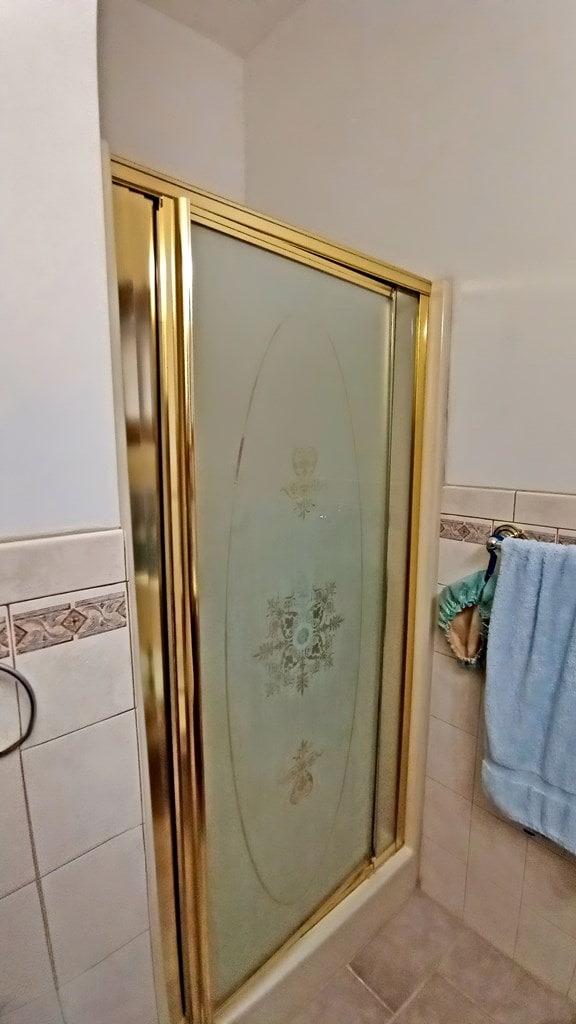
{"points": [[566, 538], [539, 533], [4, 641], [63, 623], [465, 530]]}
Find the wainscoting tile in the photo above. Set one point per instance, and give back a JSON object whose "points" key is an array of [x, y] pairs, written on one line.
{"points": [[119, 989], [451, 757], [25, 971], [491, 911], [59, 565], [567, 536], [459, 557], [545, 951], [75, 649], [497, 852], [546, 509], [9, 717], [447, 819], [455, 696], [443, 876], [45, 1010], [96, 904], [478, 501], [16, 864], [83, 789], [550, 888]]}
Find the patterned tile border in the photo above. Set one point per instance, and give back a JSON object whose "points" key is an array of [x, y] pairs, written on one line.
{"points": [[465, 530], [4, 641], [62, 623], [473, 531]]}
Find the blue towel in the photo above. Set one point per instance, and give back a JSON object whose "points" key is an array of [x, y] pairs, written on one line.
{"points": [[529, 769]]}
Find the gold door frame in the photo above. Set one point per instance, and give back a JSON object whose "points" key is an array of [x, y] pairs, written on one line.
{"points": [[174, 699]]}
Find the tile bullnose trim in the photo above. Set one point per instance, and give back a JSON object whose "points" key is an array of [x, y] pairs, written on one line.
{"points": [[38, 567]]}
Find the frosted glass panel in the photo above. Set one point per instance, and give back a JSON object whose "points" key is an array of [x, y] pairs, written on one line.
{"points": [[291, 370]]}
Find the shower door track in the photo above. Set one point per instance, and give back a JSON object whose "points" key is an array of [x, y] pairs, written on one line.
{"points": [[173, 699]]}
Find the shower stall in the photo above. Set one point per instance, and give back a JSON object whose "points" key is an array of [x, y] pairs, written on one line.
{"points": [[273, 393]]}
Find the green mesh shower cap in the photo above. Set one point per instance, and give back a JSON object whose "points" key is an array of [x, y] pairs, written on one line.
{"points": [[464, 616]]}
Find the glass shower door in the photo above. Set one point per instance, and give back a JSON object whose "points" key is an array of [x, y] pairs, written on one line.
{"points": [[292, 407]]}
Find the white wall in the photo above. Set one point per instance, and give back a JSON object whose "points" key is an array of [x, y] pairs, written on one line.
{"points": [[171, 99], [439, 136], [57, 448]]}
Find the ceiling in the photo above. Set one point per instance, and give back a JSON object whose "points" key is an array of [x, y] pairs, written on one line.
{"points": [[238, 25]]}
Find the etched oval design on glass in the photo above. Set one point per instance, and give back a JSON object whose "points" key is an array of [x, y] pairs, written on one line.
{"points": [[294, 603]]}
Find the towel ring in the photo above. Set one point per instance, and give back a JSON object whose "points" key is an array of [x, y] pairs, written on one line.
{"points": [[23, 682]]}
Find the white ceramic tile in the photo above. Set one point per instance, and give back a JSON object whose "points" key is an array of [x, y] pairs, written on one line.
{"points": [[16, 864], [491, 911], [83, 789], [545, 951], [451, 757], [45, 1010], [546, 509], [25, 971], [9, 718], [550, 887], [119, 989], [447, 819], [480, 797], [459, 558], [81, 681], [57, 565], [96, 904], [443, 876], [485, 502], [455, 695], [497, 852]]}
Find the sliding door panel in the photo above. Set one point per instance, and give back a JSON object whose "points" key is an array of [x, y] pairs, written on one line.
{"points": [[292, 376]]}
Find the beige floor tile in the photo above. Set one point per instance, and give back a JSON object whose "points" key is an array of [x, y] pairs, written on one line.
{"points": [[407, 950], [506, 993], [344, 1000], [439, 1003], [545, 951]]}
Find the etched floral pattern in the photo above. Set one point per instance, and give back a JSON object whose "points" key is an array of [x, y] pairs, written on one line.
{"points": [[465, 530], [299, 776], [304, 485], [301, 630]]}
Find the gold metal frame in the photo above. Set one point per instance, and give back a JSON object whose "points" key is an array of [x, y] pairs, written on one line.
{"points": [[177, 205]]}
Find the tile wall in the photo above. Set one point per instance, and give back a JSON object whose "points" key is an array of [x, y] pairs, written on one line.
{"points": [[516, 891], [74, 927]]}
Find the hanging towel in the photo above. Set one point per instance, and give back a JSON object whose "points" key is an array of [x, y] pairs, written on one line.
{"points": [[529, 769]]}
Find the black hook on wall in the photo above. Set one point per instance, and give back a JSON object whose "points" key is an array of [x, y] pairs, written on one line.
{"points": [[23, 682]]}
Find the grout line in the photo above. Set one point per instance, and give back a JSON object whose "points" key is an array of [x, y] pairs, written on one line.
{"points": [[125, 831], [81, 728], [63, 593], [368, 989], [521, 897], [104, 958], [39, 889]]}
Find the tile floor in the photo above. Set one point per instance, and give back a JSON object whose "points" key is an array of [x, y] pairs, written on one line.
{"points": [[425, 967]]}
